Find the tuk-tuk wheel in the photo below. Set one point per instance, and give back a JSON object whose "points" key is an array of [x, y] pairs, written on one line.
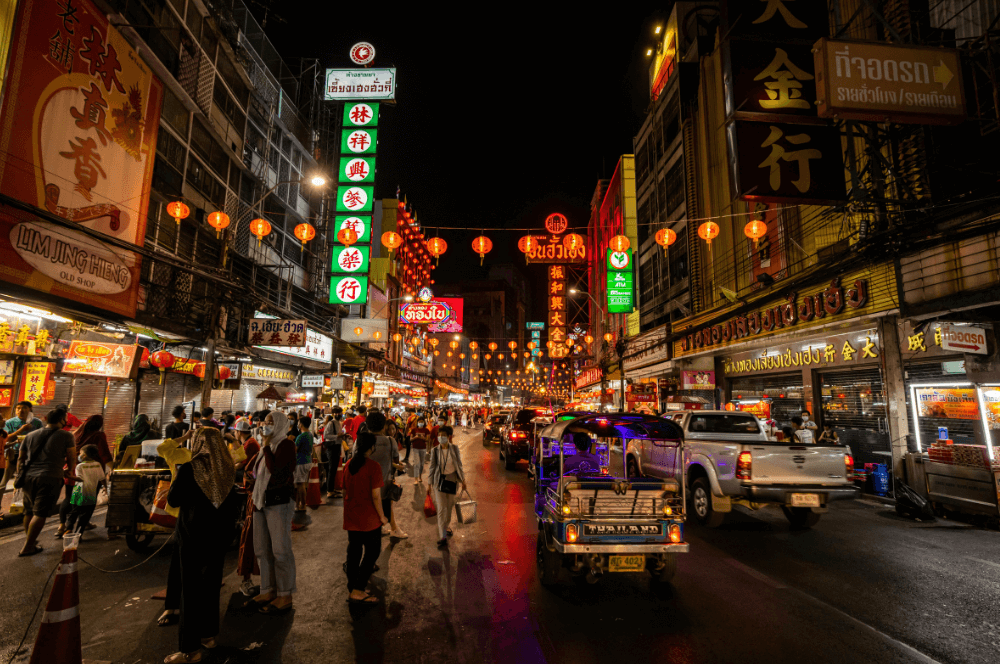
{"points": [[666, 574], [139, 542], [548, 562]]}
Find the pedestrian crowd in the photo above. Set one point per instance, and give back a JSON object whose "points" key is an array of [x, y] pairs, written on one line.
{"points": [[257, 466]]}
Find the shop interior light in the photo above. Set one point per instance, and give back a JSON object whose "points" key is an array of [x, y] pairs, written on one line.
{"points": [[19, 310]]}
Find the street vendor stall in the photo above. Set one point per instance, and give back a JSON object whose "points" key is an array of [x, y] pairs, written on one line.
{"points": [[961, 474]]}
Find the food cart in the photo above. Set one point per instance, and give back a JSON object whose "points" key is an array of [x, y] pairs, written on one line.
{"points": [[960, 471]]}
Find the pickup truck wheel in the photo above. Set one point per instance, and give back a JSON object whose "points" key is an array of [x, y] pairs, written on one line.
{"points": [[800, 517], [701, 504], [509, 462], [666, 574], [548, 562], [633, 469]]}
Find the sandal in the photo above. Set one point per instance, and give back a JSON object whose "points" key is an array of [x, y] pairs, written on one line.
{"points": [[209, 643], [369, 600], [36, 550], [271, 609], [253, 604], [182, 658], [169, 618]]}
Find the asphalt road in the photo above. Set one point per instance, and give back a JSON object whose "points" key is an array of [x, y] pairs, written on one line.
{"points": [[862, 586]]}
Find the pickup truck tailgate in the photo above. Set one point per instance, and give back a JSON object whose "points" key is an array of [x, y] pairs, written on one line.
{"points": [[797, 464]]}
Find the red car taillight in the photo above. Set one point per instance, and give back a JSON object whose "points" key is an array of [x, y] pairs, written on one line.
{"points": [[744, 465], [514, 434], [849, 462]]}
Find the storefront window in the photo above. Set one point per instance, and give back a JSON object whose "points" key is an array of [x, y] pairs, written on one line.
{"points": [[782, 392], [853, 402], [935, 414]]}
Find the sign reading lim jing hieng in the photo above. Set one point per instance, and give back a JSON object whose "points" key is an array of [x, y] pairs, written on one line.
{"points": [[858, 293]]}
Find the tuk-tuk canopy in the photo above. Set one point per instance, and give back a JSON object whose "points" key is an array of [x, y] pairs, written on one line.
{"points": [[626, 426]]}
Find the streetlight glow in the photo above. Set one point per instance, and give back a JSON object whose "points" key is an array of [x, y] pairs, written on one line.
{"points": [[318, 181], [658, 28]]}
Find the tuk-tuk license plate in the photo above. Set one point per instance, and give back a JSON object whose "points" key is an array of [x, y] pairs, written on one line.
{"points": [[626, 563], [805, 499]]}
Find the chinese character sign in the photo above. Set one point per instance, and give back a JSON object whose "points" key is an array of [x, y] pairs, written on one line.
{"points": [[348, 289], [777, 20], [358, 141], [277, 332], [355, 198], [770, 78], [361, 114], [359, 224], [353, 259], [35, 382], [357, 169], [777, 162], [81, 110]]}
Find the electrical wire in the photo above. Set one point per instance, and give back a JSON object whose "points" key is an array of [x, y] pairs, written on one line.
{"points": [[41, 598]]}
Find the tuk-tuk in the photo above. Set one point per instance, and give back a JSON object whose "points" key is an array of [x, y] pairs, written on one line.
{"points": [[592, 521]]}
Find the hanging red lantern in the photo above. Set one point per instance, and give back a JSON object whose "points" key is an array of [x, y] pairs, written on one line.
{"points": [[588, 338], [437, 246], [178, 210], [573, 242], [707, 231], [666, 238], [223, 372], [473, 345], [391, 240], [218, 221], [512, 345], [347, 236], [755, 230], [528, 245], [620, 243], [481, 246], [305, 233], [260, 228], [493, 346], [396, 337], [162, 360]]}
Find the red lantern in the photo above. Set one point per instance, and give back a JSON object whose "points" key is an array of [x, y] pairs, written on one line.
{"points": [[218, 221], [527, 244], [755, 230], [178, 210], [573, 242], [436, 246], [391, 240], [199, 370], [666, 238], [260, 228], [512, 345], [305, 233], [162, 360], [481, 246], [347, 236], [223, 372], [707, 231], [620, 243]]}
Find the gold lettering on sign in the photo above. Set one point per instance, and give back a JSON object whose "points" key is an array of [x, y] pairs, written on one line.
{"points": [[785, 91], [779, 153], [779, 7]]}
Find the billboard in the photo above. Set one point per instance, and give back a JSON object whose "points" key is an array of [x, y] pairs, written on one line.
{"points": [[101, 359], [440, 315], [358, 84], [552, 250], [885, 82], [80, 117], [277, 332]]}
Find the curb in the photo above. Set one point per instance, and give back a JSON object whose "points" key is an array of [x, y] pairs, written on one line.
{"points": [[878, 498]]}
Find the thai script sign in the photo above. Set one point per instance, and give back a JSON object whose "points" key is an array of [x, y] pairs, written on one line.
{"points": [[841, 350], [552, 250], [815, 306], [353, 84], [966, 339], [535, 326], [312, 381], [35, 382], [81, 113], [947, 403], [889, 83], [103, 359], [441, 315], [277, 332], [269, 374]]}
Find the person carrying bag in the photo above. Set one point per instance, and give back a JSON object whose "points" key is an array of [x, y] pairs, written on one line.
{"points": [[447, 479]]}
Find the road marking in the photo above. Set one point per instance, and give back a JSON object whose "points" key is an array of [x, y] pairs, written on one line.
{"points": [[48, 528], [750, 571], [976, 559]]}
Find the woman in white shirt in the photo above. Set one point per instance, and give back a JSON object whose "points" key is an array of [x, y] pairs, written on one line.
{"points": [[446, 465]]}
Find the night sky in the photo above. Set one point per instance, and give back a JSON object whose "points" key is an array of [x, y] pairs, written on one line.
{"points": [[497, 121]]}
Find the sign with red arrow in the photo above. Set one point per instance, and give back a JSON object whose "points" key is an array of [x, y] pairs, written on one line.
{"points": [[966, 339]]}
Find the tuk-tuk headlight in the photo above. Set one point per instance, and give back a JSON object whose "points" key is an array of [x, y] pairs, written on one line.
{"points": [[675, 533], [572, 532], [667, 511], [565, 509]]}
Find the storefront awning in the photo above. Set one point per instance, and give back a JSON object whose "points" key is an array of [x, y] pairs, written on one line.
{"points": [[272, 393]]}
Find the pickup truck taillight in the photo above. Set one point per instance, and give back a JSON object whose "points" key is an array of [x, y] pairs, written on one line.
{"points": [[744, 465], [849, 462], [514, 434]]}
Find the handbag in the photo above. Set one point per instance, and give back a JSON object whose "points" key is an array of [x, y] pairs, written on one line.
{"points": [[395, 491], [276, 496], [444, 485], [159, 515], [466, 509], [429, 509]]}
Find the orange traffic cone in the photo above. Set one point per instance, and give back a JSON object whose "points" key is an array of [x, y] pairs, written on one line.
{"points": [[59, 640], [313, 495]]}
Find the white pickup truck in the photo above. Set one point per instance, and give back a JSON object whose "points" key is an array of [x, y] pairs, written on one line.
{"points": [[730, 461]]}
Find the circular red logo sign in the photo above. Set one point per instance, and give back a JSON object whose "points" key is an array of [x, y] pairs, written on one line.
{"points": [[362, 53], [556, 223]]}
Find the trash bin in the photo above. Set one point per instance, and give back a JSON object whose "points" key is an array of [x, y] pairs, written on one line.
{"points": [[880, 480]]}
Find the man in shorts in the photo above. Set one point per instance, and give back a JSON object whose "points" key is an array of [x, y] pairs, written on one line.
{"points": [[45, 452], [303, 462]]}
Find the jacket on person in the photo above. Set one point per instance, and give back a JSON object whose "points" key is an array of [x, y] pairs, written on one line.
{"points": [[281, 463], [437, 463]]}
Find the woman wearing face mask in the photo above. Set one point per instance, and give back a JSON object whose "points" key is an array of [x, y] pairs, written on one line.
{"points": [[419, 435], [273, 507], [446, 465]]}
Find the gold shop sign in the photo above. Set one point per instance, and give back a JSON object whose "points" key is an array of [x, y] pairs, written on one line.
{"points": [[840, 350], [858, 293]]}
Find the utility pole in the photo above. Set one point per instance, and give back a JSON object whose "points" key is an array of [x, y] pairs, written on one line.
{"points": [[620, 351]]}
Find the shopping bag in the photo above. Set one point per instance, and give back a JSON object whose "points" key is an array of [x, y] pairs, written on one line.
{"points": [[159, 515], [16, 507], [238, 452], [429, 509], [466, 509]]}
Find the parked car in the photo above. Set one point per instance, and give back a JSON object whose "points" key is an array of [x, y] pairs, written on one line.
{"points": [[518, 434], [730, 461], [493, 429]]}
